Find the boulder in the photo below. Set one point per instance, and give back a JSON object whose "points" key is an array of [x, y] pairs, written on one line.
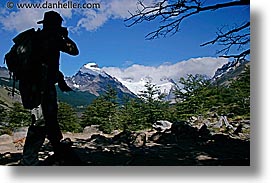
{"points": [[123, 137], [204, 132], [6, 139], [99, 139], [220, 138], [182, 128], [193, 118], [8, 148], [156, 136], [20, 133], [140, 140], [93, 129], [162, 125], [238, 129]]}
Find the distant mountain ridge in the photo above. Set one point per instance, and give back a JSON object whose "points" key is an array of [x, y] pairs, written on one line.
{"points": [[229, 71], [4, 73], [90, 81], [166, 76], [96, 81]]}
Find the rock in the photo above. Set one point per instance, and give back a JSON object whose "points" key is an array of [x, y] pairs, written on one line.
{"points": [[123, 137], [220, 138], [204, 132], [230, 115], [156, 136], [167, 138], [183, 128], [238, 129], [7, 148], [115, 132], [207, 122], [218, 124], [162, 125], [6, 139], [99, 139], [67, 141], [140, 140], [193, 118], [205, 157], [20, 133], [93, 129]]}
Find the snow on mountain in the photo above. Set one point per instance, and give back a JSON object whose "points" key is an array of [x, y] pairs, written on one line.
{"points": [[4, 72], [229, 71], [228, 67], [93, 69], [164, 76], [132, 80], [94, 80]]}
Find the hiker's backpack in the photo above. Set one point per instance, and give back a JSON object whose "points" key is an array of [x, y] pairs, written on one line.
{"points": [[19, 59], [24, 66]]}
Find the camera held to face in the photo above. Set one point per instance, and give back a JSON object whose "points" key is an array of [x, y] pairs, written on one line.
{"points": [[63, 31]]}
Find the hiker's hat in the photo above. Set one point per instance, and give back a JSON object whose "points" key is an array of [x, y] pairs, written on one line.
{"points": [[51, 18]]}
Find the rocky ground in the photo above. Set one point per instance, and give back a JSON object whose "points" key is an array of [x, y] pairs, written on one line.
{"points": [[181, 145]]}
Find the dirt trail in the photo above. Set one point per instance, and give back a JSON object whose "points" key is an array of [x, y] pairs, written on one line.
{"points": [[123, 150]]}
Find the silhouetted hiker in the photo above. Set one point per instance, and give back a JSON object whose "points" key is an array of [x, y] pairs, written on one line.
{"points": [[52, 39]]}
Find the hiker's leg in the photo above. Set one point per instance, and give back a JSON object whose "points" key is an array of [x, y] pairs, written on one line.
{"points": [[34, 141], [35, 138], [63, 152], [49, 108]]}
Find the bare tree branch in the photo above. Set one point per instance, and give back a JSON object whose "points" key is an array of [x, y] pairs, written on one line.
{"points": [[238, 56], [172, 15], [246, 25]]}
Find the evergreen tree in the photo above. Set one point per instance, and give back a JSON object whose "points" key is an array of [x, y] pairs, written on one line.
{"points": [[153, 104], [191, 97], [103, 112], [199, 97], [67, 118], [132, 116], [18, 116], [3, 124], [241, 93], [2, 113]]}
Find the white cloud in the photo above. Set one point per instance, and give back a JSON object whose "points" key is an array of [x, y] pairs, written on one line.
{"points": [[19, 20], [135, 73], [88, 19], [112, 9], [24, 18], [136, 76]]}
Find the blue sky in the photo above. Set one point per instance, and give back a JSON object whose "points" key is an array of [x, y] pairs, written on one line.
{"points": [[102, 36]]}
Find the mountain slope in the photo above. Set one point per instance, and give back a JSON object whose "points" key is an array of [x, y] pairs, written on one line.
{"points": [[91, 81], [90, 78], [229, 71], [88, 83], [6, 84]]}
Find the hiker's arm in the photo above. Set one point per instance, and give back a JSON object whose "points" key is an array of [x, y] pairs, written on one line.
{"points": [[69, 46]]}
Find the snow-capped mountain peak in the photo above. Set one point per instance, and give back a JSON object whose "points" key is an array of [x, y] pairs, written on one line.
{"points": [[132, 80], [93, 69], [94, 80], [138, 86]]}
